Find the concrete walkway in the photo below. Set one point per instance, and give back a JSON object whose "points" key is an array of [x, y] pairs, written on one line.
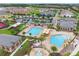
{"points": [[75, 51], [18, 47]]}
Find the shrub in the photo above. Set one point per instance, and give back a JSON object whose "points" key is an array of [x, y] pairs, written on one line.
{"points": [[54, 48]]}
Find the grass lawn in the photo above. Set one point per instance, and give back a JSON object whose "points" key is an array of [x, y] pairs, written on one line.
{"points": [[77, 54], [67, 54], [34, 11], [12, 31], [3, 31], [25, 49], [4, 53], [36, 21], [10, 22], [6, 31], [54, 12], [21, 27]]}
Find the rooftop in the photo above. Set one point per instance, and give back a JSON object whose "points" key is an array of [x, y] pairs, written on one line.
{"points": [[66, 13], [8, 40], [2, 25], [68, 23], [3, 11]]}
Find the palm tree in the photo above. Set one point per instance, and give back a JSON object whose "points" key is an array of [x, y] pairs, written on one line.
{"points": [[41, 38], [7, 22], [30, 34], [58, 27]]}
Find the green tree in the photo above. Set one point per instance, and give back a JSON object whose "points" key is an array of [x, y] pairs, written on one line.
{"points": [[50, 26], [77, 28], [30, 34], [23, 33], [58, 28]]}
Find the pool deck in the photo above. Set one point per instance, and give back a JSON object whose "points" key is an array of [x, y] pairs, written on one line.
{"points": [[43, 51], [47, 44], [28, 28]]}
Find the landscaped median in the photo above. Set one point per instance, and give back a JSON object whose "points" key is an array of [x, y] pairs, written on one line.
{"points": [[24, 49], [77, 54], [4, 53], [67, 54]]}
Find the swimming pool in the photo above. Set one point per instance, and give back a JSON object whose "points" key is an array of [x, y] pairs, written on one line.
{"points": [[58, 39], [35, 31]]}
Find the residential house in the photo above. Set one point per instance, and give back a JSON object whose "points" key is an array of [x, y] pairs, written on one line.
{"points": [[4, 13], [9, 42], [68, 24], [66, 13], [46, 11], [18, 10]]}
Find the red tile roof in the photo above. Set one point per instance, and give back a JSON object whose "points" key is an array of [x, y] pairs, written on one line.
{"points": [[2, 25]]}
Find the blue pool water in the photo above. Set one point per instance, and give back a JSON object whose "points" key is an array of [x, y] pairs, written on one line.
{"points": [[35, 31], [58, 40]]}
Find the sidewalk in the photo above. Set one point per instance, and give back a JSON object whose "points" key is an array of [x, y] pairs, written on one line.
{"points": [[75, 51], [18, 47]]}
